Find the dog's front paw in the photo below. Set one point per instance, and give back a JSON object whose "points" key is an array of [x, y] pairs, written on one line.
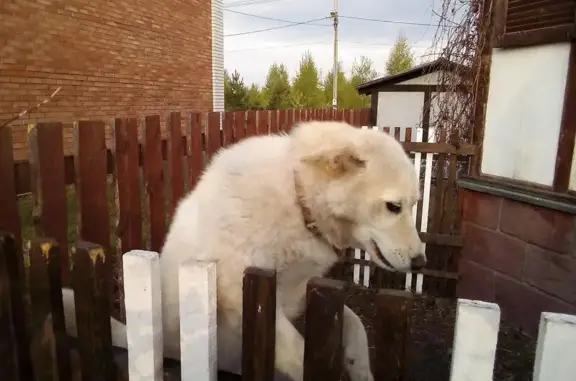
{"points": [[359, 371]]}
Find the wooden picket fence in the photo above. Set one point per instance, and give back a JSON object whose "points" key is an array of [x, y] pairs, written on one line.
{"points": [[128, 175], [34, 345]]}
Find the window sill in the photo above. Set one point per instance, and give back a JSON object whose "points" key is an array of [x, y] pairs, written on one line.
{"points": [[561, 202]]}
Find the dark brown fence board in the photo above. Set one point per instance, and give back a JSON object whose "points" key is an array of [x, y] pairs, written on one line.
{"points": [[263, 122], [91, 156], [8, 343], [394, 309], [91, 277], [48, 183], [129, 230], [155, 186], [323, 353], [274, 120], [11, 254], [214, 142], [251, 123], [196, 159], [239, 125], [9, 216], [228, 129], [258, 324], [282, 120], [289, 121], [176, 160], [47, 314]]}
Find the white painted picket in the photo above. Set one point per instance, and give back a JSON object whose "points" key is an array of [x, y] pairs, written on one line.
{"points": [[474, 346], [361, 273]]}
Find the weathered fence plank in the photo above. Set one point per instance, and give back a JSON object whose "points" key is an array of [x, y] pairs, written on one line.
{"points": [[9, 216], [143, 298], [91, 161], [556, 347], [239, 125], [393, 317], [129, 230], [45, 142], [47, 312], [196, 160], [8, 343], [258, 324], [214, 141], [12, 255], [251, 123], [274, 128], [282, 120], [323, 353], [91, 276], [176, 160], [475, 339], [197, 292], [155, 187], [263, 122], [228, 129]]}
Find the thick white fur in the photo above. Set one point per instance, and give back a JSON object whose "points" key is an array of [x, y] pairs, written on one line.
{"points": [[244, 213]]}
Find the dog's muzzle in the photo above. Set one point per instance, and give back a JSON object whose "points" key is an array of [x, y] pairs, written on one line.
{"points": [[381, 256]]}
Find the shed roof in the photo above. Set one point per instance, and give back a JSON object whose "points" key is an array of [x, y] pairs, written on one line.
{"points": [[415, 72]]}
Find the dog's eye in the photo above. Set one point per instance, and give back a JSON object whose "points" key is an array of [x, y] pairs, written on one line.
{"points": [[394, 208]]}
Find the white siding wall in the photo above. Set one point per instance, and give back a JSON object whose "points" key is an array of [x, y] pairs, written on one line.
{"points": [[524, 111], [400, 109], [217, 56]]}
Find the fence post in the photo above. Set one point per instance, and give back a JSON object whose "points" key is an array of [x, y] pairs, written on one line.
{"points": [[258, 324], [475, 339], [47, 310], [90, 276], [556, 347], [197, 293], [393, 318], [323, 354], [8, 344], [143, 300]]}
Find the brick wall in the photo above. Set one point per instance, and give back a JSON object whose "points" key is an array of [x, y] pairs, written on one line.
{"points": [[520, 256], [112, 58]]}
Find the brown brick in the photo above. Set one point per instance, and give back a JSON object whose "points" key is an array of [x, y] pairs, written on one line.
{"points": [[481, 208], [523, 304], [543, 227], [551, 272], [152, 55], [494, 249], [476, 281]]}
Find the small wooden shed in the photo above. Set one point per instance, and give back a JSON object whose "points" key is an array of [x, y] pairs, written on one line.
{"points": [[408, 99]]}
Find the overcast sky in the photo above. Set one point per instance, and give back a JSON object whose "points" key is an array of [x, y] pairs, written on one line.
{"points": [[252, 53]]}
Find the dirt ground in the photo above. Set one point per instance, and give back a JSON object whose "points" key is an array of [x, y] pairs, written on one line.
{"points": [[431, 336]]}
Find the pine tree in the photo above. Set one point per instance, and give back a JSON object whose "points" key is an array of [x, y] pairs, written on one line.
{"points": [[306, 86], [235, 92], [401, 57], [276, 92]]}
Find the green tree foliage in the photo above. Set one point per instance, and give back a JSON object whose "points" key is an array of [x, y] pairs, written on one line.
{"points": [[254, 98], [276, 92], [306, 86], [362, 72], [235, 92], [401, 57], [347, 94]]}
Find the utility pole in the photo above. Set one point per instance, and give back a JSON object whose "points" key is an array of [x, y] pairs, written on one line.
{"points": [[335, 71]]}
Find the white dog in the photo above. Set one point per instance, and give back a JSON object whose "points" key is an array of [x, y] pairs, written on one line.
{"points": [[284, 202]]}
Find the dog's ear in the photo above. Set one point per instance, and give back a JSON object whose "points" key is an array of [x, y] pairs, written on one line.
{"points": [[336, 164]]}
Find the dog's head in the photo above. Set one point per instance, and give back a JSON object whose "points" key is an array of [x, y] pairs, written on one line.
{"points": [[361, 187]]}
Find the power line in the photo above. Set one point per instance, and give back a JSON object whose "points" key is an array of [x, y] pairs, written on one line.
{"points": [[271, 18], [243, 3], [277, 47], [388, 21], [274, 28], [315, 43]]}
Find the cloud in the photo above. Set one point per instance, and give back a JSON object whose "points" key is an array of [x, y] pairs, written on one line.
{"points": [[367, 27]]}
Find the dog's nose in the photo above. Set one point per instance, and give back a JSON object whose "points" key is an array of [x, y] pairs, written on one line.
{"points": [[418, 263]]}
